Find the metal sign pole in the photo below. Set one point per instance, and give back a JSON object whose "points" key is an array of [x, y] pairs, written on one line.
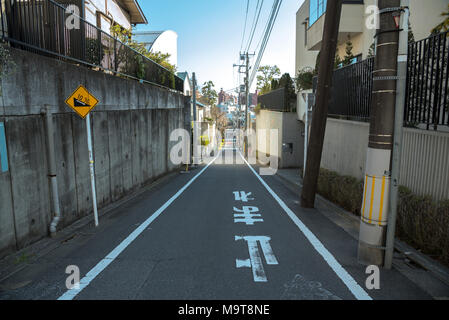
{"points": [[92, 170], [398, 132]]}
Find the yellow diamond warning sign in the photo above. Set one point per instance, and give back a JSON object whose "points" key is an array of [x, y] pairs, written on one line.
{"points": [[81, 101]]}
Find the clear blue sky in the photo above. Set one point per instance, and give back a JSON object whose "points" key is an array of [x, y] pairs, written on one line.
{"points": [[210, 34]]}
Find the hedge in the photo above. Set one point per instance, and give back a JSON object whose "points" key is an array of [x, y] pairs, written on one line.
{"points": [[422, 222]]}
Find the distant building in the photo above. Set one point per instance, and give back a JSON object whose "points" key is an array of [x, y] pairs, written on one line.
{"points": [[160, 41], [252, 98], [226, 98], [188, 87]]}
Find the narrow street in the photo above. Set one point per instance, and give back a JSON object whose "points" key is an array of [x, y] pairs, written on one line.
{"points": [[220, 232]]}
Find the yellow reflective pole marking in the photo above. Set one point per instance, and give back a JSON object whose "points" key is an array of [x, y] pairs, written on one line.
{"points": [[372, 200], [382, 201]]}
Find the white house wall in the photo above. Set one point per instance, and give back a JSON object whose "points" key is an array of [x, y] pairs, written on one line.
{"points": [[167, 42], [114, 11]]}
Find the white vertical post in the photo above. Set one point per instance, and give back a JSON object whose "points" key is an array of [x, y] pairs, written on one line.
{"points": [[398, 133], [306, 134], [92, 170]]}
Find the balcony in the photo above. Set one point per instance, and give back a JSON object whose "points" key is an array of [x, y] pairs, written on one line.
{"points": [[351, 24]]}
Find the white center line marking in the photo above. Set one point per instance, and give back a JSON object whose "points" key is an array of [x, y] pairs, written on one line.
{"points": [[347, 279], [95, 271]]}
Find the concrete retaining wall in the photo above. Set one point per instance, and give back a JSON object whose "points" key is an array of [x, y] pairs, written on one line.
{"points": [[291, 131], [130, 128], [425, 163]]}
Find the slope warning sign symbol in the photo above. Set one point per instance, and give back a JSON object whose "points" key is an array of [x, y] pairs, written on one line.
{"points": [[81, 101]]}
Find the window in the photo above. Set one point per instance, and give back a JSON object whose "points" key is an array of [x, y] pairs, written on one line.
{"points": [[306, 26], [316, 9]]}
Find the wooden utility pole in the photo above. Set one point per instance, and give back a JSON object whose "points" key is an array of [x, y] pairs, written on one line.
{"points": [[323, 95], [247, 102], [375, 206]]}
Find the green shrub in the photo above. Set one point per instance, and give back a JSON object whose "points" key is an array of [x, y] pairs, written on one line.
{"points": [[424, 224], [343, 190], [421, 222], [94, 52]]}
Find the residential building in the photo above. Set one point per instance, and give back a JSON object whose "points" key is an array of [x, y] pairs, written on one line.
{"points": [[187, 83], [160, 41], [201, 111], [353, 26], [226, 98], [106, 13]]}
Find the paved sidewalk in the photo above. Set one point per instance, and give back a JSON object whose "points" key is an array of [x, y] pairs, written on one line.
{"points": [[428, 274]]}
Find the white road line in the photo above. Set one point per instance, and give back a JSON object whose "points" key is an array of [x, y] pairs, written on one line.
{"points": [[347, 279], [95, 271]]}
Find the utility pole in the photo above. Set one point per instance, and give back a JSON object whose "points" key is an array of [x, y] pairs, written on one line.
{"points": [[327, 60], [375, 206], [245, 57], [247, 103], [195, 133]]}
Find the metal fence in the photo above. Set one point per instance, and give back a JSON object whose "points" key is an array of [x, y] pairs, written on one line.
{"points": [[40, 26], [428, 83], [427, 93], [351, 92], [277, 100]]}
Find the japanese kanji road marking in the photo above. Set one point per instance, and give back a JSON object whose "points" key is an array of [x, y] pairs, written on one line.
{"points": [[255, 261], [345, 277], [247, 215], [242, 196]]}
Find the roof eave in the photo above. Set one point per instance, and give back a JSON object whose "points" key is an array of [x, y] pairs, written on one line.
{"points": [[136, 14]]}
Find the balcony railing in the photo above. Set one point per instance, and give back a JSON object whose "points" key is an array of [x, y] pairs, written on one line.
{"points": [[40, 26], [427, 96]]}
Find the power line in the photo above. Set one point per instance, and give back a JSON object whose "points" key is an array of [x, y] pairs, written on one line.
{"points": [[267, 25], [266, 37], [244, 28], [255, 22]]}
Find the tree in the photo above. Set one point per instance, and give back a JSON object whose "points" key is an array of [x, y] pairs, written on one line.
{"points": [[286, 82], [219, 118], [443, 26], [162, 59], [125, 36], [209, 94], [337, 63], [349, 56], [304, 79], [266, 75]]}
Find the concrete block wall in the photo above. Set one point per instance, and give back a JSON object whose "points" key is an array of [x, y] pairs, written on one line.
{"points": [[130, 130], [424, 167], [290, 130]]}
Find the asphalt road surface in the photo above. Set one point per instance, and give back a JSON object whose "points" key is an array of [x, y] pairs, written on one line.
{"points": [[219, 232]]}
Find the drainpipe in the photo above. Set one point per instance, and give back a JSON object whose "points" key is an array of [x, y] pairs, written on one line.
{"points": [[46, 111]]}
